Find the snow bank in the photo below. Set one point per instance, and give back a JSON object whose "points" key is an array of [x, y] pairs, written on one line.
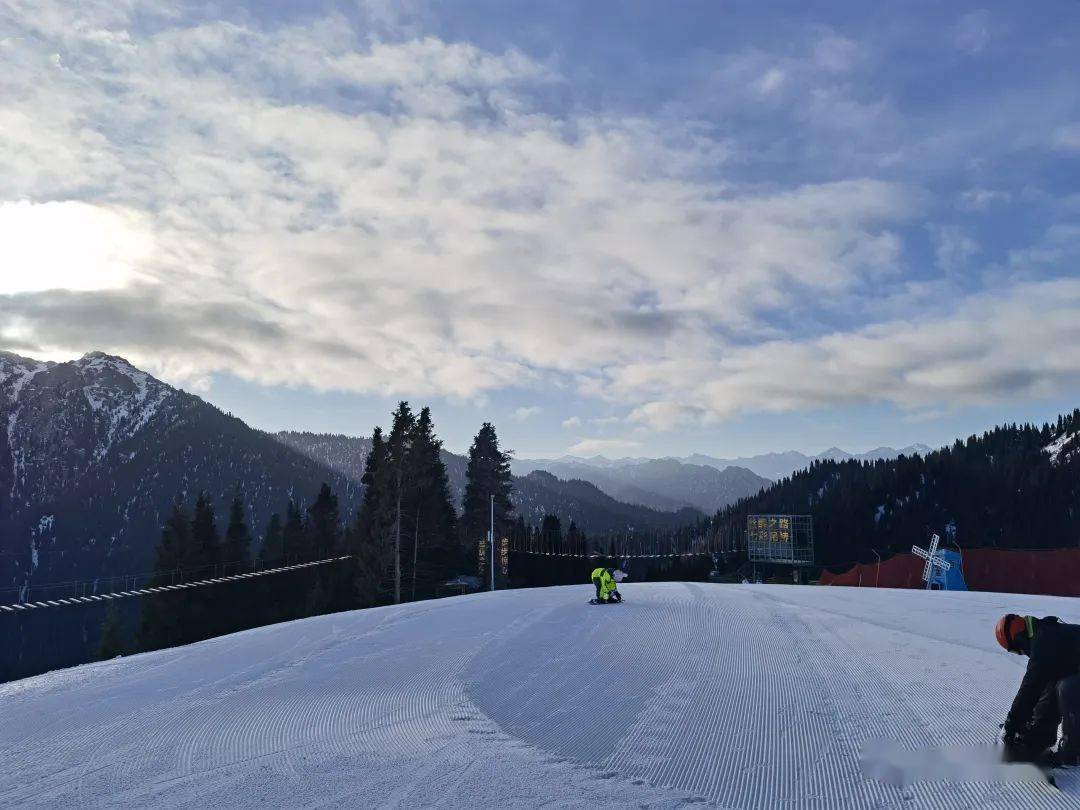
{"points": [[743, 696], [1061, 449]]}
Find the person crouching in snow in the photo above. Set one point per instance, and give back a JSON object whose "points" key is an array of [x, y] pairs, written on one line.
{"points": [[1049, 695], [607, 590]]}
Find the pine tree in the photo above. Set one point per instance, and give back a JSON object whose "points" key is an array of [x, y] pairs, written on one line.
{"points": [[294, 537], [237, 550], [575, 541], [487, 477], [205, 548], [204, 616], [164, 614], [324, 524], [433, 510], [551, 528], [398, 484], [368, 536], [273, 590], [112, 635], [272, 549]]}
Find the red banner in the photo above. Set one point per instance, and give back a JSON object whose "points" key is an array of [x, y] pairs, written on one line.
{"points": [[1053, 572]]}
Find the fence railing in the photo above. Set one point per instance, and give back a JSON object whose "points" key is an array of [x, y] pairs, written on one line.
{"points": [[78, 594]]}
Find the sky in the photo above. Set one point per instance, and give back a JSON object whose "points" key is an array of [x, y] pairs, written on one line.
{"points": [[627, 228]]}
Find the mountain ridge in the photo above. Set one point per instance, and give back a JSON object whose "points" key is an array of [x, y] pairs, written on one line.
{"points": [[772, 466]]}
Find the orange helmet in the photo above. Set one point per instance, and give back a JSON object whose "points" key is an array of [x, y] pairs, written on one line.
{"points": [[1008, 628]]}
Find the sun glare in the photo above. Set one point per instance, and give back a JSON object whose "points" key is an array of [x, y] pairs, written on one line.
{"points": [[69, 245]]}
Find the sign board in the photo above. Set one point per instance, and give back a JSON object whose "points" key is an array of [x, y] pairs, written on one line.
{"points": [[787, 539]]}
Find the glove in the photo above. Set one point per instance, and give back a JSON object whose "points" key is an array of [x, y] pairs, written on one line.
{"points": [[1015, 745]]}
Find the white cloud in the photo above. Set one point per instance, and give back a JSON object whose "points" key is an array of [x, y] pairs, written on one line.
{"points": [[527, 412], [1067, 137], [980, 199], [435, 236], [770, 80], [836, 53], [972, 32], [592, 447], [70, 245], [664, 415], [953, 247], [606, 420], [571, 422], [1020, 341], [303, 205]]}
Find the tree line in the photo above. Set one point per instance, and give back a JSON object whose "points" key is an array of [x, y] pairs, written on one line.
{"points": [[405, 538], [1000, 489]]}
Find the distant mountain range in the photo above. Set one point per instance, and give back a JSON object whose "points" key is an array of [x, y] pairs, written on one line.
{"points": [[772, 466], [534, 495], [98, 450], [93, 454], [666, 484], [1014, 486], [95, 451]]}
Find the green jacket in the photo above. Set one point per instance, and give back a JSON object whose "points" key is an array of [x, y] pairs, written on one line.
{"points": [[607, 581]]}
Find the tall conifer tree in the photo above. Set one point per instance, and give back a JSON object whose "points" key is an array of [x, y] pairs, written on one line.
{"points": [[237, 550], [397, 491], [487, 476], [204, 615], [272, 548], [163, 613], [370, 532], [294, 535], [433, 511]]}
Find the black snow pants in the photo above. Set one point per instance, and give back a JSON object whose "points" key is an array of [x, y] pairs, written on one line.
{"points": [[1059, 704], [596, 582]]}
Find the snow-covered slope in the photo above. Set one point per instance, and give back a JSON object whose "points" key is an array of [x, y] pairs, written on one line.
{"points": [[1063, 448], [93, 452], [744, 696]]}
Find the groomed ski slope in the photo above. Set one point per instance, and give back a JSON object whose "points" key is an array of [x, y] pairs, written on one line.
{"points": [[744, 696]]}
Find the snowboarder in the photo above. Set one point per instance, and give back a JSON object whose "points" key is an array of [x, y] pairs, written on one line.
{"points": [[607, 590], [1049, 695]]}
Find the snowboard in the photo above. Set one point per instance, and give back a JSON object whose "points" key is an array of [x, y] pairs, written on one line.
{"points": [[889, 762], [598, 602]]}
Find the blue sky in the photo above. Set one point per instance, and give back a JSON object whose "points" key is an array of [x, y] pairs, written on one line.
{"points": [[625, 228]]}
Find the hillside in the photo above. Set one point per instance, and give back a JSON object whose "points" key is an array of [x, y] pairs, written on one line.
{"points": [[753, 697], [595, 512], [666, 484], [1016, 486], [770, 466], [586, 504], [98, 451], [347, 454]]}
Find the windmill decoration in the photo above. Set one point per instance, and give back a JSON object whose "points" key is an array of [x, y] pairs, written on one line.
{"points": [[933, 559]]}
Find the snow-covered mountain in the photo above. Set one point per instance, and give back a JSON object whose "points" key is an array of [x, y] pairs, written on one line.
{"points": [[665, 484], [775, 466], [732, 696], [92, 454], [97, 450], [1064, 448], [772, 466], [593, 508]]}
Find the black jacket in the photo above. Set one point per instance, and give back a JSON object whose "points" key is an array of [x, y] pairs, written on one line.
{"points": [[1055, 654]]}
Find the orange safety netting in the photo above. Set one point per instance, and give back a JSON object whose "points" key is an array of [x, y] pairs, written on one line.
{"points": [[1054, 572]]}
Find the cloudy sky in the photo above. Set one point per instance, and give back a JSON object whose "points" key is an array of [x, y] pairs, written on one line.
{"points": [[634, 228]]}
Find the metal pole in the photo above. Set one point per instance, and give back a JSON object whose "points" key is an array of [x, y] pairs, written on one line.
{"points": [[491, 541], [877, 579]]}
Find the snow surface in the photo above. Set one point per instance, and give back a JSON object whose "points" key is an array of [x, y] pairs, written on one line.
{"points": [[1057, 448], [738, 695]]}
